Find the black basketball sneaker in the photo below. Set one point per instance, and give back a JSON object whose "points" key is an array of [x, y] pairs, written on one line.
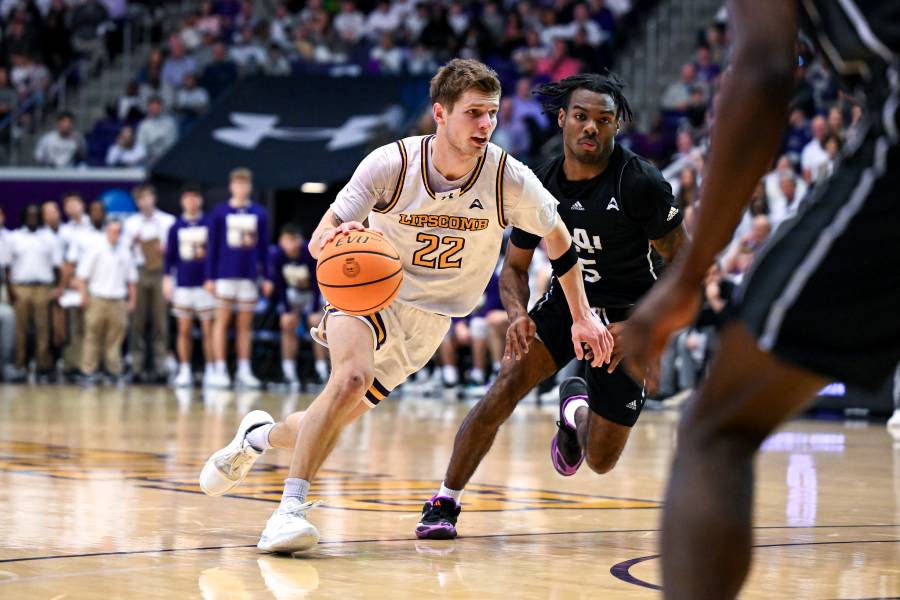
{"points": [[565, 451], [438, 520]]}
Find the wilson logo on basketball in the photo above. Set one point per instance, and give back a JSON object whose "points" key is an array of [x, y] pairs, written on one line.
{"points": [[351, 267]]}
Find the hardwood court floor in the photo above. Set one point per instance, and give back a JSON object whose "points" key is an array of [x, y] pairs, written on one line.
{"points": [[98, 499]]}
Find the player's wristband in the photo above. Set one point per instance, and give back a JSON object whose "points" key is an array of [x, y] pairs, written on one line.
{"points": [[564, 263]]}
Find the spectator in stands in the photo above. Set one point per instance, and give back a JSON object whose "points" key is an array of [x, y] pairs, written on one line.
{"points": [[295, 293], [350, 23], [677, 94], [178, 64], [797, 135], [126, 152], [833, 145], [247, 53], [154, 66], [603, 16], [381, 20], [220, 73], [106, 277], [582, 22], [207, 21], [786, 201], [130, 106], [386, 57], [56, 37], [145, 234], [158, 131], [493, 20], [437, 35], [688, 188], [62, 147], [558, 65], [246, 16], [414, 23], [186, 252], [32, 277], [8, 96], [89, 21], [19, 38], [277, 64], [191, 100], [421, 61], [281, 27], [814, 158], [707, 70], [28, 77], [510, 134], [238, 243], [458, 19], [836, 122], [740, 257]]}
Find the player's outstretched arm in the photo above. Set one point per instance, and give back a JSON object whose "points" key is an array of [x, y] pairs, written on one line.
{"points": [[751, 113], [514, 294], [587, 329]]}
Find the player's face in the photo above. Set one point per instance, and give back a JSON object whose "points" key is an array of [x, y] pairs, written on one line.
{"points": [[190, 203], [240, 188], [290, 244], [470, 123], [589, 126]]}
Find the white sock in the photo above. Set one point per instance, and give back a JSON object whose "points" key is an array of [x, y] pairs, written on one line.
{"points": [[447, 492], [322, 368], [571, 407], [450, 374], [244, 367], [496, 366], [294, 487], [221, 368], [209, 369], [289, 370], [477, 376], [259, 437], [184, 367]]}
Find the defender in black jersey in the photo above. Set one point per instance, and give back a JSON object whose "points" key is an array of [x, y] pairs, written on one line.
{"points": [[821, 301], [624, 222]]}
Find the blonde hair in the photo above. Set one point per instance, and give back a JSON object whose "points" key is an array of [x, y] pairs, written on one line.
{"points": [[460, 75]]}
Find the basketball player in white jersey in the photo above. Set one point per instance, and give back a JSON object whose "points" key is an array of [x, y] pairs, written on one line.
{"points": [[443, 201]]}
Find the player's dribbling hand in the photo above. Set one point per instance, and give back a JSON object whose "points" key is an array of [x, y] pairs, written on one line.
{"points": [[591, 332], [671, 304], [518, 337], [341, 229]]}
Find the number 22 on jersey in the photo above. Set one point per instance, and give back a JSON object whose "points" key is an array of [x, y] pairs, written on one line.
{"points": [[438, 252], [589, 244]]}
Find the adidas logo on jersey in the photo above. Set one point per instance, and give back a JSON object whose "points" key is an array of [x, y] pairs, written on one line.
{"points": [[632, 405], [672, 212], [577, 206], [613, 205], [476, 204]]}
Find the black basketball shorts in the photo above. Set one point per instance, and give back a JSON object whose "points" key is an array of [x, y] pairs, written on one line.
{"points": [[614, 396], [824, 294]]}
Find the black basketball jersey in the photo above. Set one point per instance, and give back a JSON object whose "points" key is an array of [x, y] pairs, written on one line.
{"points": [[858, 39], [612, 219]]}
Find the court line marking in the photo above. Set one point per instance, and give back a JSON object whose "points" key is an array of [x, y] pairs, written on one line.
{"points": [[467, 537], [622, 570]]}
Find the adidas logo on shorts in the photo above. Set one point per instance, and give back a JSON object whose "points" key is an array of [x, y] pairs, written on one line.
{"points": [[577, 206], [672, 212], [632, 405]]}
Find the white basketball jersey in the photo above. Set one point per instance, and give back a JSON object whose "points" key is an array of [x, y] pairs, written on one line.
{"points": [[448, 241]]}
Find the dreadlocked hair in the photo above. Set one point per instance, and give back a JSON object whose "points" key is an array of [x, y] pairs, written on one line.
{"points": [[554, 96]]}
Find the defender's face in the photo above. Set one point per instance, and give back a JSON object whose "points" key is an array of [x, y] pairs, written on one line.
{"points": [[470, 123], [589, 126]]}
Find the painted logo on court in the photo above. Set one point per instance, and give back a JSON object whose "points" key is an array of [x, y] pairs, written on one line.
{"points": [[349, 490]]}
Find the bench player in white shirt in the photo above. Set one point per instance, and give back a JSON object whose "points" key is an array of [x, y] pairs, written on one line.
{"points": [[443, 201]]}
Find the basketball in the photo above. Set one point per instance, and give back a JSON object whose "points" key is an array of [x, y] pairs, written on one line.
{"points": [[359, 272]]}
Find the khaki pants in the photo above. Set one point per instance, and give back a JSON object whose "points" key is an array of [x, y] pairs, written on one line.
{"points": [[74, 338], [150, 309], [104, 330], [33, 304]]}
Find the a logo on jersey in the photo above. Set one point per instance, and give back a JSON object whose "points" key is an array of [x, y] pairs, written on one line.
{"points": [[476, 204], [672, 212], [613, 205], [577, 206], [351, 267], [445, 222], [449, 196]]}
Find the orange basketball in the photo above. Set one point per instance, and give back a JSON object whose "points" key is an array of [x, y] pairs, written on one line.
{"points": [[359, 272]]}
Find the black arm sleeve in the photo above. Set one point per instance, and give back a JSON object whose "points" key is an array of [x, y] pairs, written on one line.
{"points": [[523, 239], [648, 199]]}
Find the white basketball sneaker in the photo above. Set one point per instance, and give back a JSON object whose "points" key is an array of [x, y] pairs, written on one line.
{"points": [[893, 425], [287, 530], [184, 379], [229, 466], [216, 379], [247, 380]]}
